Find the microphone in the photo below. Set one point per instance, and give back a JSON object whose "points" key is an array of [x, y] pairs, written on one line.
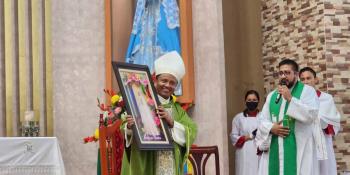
{"points": [[279, 96]]}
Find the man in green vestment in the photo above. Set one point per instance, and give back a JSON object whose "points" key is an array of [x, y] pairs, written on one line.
{"points": [[169, 70], [286, 126]]}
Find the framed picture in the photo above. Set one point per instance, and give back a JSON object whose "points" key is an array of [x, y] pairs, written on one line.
{"points": [[141, 100]]}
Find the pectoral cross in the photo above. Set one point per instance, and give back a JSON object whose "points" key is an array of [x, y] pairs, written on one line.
{"points": [[288, 120]]}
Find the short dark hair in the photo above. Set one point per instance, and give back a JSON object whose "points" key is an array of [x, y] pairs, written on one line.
{"points": [[308, 69], [294, 65]]}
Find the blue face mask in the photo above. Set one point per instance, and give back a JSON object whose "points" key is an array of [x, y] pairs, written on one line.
{"points": [[251, 105]]}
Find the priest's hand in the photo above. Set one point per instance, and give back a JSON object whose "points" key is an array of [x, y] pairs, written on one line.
{"points": [[279, 130], [130, 121], [285, 92], [163, 114]]}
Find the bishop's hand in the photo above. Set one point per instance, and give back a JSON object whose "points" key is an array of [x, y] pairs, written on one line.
{"points": [[163, 114]]}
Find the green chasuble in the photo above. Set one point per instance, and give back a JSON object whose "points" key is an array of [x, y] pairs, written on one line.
{"points": [[289, 142], [143, 162]]}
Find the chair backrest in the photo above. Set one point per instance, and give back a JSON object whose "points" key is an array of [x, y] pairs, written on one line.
{"points": [[111, 148], [197, 154]]}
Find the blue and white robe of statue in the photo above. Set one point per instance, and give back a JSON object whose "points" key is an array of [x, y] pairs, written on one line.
{"points": [[155, 31]]}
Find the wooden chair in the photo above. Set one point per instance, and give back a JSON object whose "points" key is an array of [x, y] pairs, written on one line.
{"points": [[197, 154], [111, 148]]}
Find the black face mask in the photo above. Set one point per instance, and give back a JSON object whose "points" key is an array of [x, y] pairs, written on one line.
{"points": [[251, 105]]}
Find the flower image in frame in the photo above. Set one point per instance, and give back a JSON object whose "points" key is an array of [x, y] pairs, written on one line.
{"points": [[137, 89]]}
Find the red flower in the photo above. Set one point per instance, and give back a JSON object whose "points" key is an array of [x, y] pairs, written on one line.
{"points": [[86, 139], [89, 139], [121, 103], [186, 106]]}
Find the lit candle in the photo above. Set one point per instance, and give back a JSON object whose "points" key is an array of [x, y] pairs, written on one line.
{"points": [[29, 116]]}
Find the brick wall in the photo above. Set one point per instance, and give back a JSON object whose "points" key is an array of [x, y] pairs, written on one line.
{"points": [[337, 54]]}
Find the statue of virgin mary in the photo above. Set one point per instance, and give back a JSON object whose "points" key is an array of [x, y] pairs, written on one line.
{"points": [[155, 31]]}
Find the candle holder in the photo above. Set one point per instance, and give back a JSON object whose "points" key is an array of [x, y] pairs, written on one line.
{"points": [[30, 129]]}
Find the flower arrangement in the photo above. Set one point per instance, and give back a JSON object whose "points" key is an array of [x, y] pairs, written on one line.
{"points": [[116, 109], [110, 113]]}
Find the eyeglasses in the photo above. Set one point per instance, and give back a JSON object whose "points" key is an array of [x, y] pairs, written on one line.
{"points": [[285, 73]]}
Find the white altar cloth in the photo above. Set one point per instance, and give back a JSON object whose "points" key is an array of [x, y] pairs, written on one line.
{"points": [[30, 156]]}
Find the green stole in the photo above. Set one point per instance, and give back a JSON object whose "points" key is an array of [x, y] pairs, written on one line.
{"points": [[180, 153], [289, 142]]}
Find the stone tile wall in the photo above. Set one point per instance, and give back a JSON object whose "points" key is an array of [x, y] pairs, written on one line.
{"points": [[337, 55]]}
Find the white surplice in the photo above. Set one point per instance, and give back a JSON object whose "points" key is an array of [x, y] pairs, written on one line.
{"points": [[263, 164], [304, 111], [328, 114], [246, 162]]}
